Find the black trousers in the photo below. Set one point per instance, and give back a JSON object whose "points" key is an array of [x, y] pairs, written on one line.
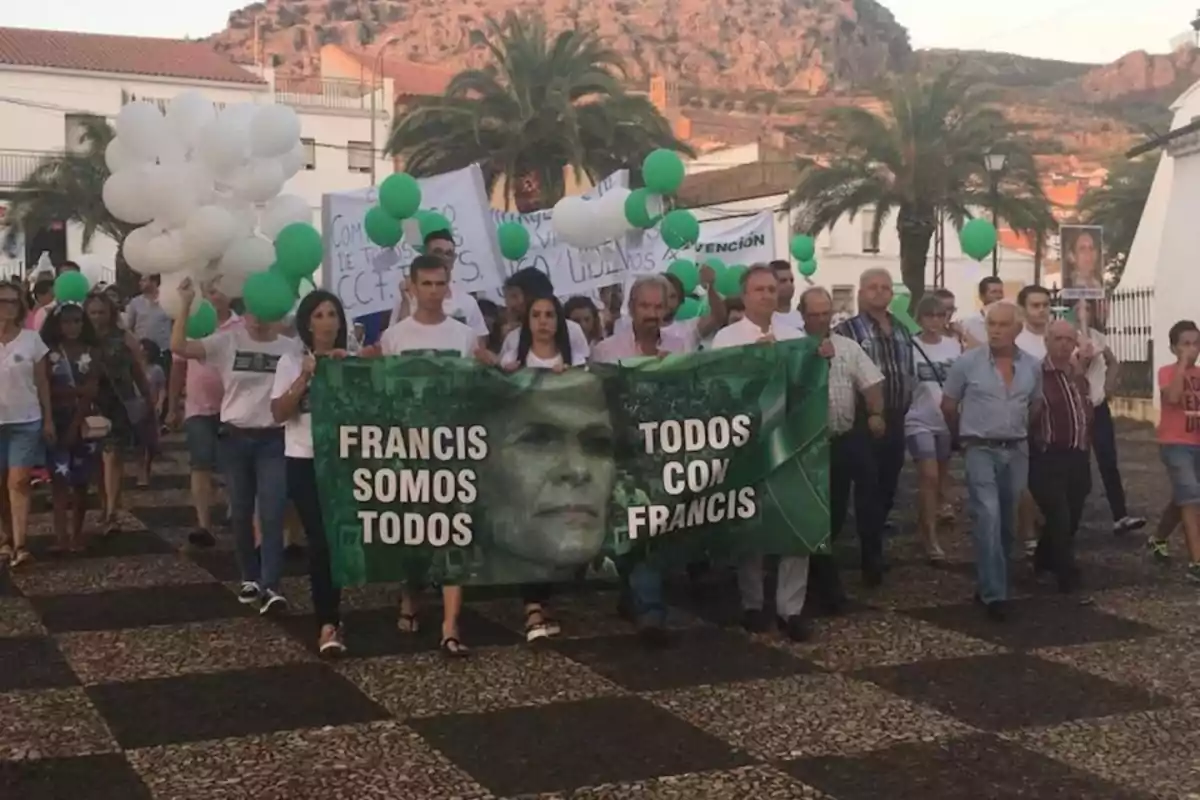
{"points": [[302, 491], [1060, 482], [1104, 442], [889, 451]]}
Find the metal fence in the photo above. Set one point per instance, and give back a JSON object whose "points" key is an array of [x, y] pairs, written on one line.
{"points": [[1125, 318]]}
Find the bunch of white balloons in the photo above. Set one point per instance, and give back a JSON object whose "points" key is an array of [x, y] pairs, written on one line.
{"points": [[590, 222], [204, 185]]}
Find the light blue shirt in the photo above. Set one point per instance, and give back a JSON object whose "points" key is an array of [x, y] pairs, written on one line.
{"points": [[988, 408]]}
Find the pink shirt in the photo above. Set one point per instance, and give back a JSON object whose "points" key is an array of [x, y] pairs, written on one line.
{"points": [[621, 345], [203, 390], [1180, 423], [35, 318]]}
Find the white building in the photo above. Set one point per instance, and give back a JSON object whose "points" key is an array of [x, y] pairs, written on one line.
{"points": [[50, 81]]}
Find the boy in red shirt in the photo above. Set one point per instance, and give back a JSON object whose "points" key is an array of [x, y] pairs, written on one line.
{"points": [[1179, 433]]}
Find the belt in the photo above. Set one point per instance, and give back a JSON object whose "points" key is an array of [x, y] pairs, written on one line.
{"points": [[978, 441]]}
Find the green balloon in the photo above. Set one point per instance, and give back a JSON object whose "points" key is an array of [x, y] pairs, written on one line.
{"points": [[717, 264], [514, 240], [636, 212], [690, 308], [268, 295], [687, 272], [71, 287], [803, 247], [663, 171], [202, 321], [899, 309], [680, 229], [433, 221], [400, 195], [978, 238], [381, 228], [729, 282], [298, 250], [808, 268]]}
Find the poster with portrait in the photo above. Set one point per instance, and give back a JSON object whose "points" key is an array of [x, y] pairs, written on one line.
{"points": [[441, 469], [1082, 262]]}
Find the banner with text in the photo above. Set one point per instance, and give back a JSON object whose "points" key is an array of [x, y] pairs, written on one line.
{"points": [[440, 468], [367, 277], [744, 240]]}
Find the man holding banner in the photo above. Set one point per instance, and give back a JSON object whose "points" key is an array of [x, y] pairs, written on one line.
{"points": [[458, 305]]}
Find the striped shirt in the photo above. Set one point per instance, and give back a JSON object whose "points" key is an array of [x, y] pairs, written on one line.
{"points": [[893, 354], [1066, 421]]}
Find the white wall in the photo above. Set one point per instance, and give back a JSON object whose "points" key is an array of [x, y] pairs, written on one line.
{"points": [[34, 104]]}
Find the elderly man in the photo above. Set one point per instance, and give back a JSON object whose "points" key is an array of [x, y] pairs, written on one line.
{"points": [[890, 346], [1060, 470], [760, 294], [851, 374], [991, 394]]}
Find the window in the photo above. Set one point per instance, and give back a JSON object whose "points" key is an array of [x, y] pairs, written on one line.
{"points": [[75, 131], [358, 156], [867, 220], [310, 153], [843, 300]]}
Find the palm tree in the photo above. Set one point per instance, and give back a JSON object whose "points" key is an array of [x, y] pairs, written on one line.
{"points": [[67, 188], [926, 156], [1117, 204], [545, 103]]}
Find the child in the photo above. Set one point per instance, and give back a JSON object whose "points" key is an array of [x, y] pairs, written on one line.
{"points": [[1179, 433], [157, 378]]}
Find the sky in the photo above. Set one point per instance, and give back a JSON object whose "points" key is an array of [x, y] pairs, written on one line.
{"points": [[1091, 31]]}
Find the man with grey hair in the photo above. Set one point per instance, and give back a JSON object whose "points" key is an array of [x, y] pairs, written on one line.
{"points": [[889, 345], [991, 396], [645, 336]]}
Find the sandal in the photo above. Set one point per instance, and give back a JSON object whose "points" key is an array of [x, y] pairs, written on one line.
{"points": [[535, 625], [20, 558], [408, 623], [452, 648]]}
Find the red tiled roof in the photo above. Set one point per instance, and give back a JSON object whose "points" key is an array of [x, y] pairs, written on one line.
{"points": [[132, 55], [409, 78]]}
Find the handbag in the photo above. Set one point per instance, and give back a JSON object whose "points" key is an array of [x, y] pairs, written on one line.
{"points": [[95, 426]]}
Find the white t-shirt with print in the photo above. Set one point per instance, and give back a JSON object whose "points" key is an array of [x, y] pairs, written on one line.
{"points": [[925, 413], [746, 332], [580, 349], [458, 305], [297, 431], [247, 368], [18, 389], [408, 335]]}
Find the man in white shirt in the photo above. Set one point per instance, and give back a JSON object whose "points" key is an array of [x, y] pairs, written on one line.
{"points": [[991, 290], [458, 305], [1034, 301], [851, 460], [429, 329], [692, 332], [645, 336], [786, 279], [759, 295]]}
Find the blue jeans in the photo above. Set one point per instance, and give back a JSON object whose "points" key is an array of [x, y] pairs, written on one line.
{"points": [[256, 474], [995, 478], [646, 588]]}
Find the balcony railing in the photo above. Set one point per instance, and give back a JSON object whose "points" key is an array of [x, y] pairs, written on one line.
{"points": [[16, 165], [323, 93]]}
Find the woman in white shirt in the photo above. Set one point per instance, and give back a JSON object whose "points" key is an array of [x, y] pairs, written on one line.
{"points": [[519, 290], [25, 418], [543, 342], [251, 446], [925, 428], [321, 326]]}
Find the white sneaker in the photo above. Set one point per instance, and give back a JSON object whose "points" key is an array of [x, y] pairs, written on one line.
{"points": [[272, 603], [1127, 524], [250, 593]]}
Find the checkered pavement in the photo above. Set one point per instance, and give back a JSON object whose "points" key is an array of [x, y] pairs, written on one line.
{"points": [[134, 673]]}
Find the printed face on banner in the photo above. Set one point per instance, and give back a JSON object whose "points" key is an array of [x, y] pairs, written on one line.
{"points": [[1082, 262]]}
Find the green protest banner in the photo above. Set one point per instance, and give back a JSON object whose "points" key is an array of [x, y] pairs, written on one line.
{"points": [[434, 467]]}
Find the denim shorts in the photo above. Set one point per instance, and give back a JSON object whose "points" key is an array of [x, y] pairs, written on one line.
{"points": [[928, 446], [1183, 468], [21, 445], [202, 434]]}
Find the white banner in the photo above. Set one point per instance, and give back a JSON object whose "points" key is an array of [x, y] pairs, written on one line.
{"points": [[741, 240], [366, 277], [572, 271]]}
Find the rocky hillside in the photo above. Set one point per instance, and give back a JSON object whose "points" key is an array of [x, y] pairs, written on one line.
{"points": [[804, 46]]}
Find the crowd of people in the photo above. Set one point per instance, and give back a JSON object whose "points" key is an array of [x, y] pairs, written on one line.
{"points": [[1021, 397]]}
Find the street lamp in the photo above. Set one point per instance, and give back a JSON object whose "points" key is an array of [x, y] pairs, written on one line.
{"points": [[995, 165], [375, 69]]}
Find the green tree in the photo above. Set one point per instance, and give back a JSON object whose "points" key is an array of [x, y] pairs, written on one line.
{"points": [[545, 103], [1117, 205], [67, 188], [925, 155]]}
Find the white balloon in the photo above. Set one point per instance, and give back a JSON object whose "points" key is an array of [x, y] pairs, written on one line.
{"points": [[126, 197], [187, 115], [230, 284], [173, 196], [574, 220], [166, 253], [274, 131], [199, 180], [168, 292], [117, 157], [208, 232], [293, 161], [224, 144], [259, 181], [251, 254], [142, 128], [244, 215], [612, 212], [283, 211], [135, 249]]}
